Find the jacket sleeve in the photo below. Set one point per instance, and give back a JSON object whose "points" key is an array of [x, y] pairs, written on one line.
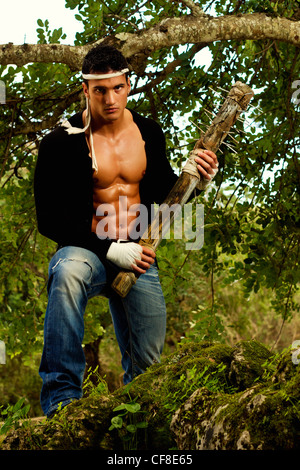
{"points": [[167, 175], [63, 193], [160, 176]]}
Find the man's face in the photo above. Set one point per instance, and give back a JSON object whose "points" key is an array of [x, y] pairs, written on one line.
{"points": [[108, 97]]}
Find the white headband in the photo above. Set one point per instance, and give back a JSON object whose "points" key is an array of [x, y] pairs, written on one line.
{"points": [[104, 75]]}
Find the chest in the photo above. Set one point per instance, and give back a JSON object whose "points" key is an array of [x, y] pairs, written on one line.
{"points": [[120, 160]]}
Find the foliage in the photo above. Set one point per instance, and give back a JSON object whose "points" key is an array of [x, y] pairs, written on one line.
{"points": [[45, 36], [90, 387], [214, 380], [12, 414], [126, 422], [252, 209]]}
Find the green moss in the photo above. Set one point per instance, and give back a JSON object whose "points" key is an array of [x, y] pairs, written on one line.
{"points": [[265, 415], [203, 396]]}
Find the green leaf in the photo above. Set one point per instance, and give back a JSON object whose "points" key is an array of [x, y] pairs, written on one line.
{"points": [[72, 4], [133, 407], [117, 422], [18, 405], [120, 407], [131, 428]]}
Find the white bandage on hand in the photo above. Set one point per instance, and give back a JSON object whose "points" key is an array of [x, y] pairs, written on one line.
{"points": [[124, 254]]}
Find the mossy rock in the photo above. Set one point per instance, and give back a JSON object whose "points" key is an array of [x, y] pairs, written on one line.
{"points": [[247, 364], [203, 396], [264, 416]]}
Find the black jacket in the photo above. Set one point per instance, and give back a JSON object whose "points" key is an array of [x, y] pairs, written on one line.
{"points": [[63, 183]]}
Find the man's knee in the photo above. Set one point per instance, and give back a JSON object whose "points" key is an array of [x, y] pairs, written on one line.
{"points": [[70, 273]]}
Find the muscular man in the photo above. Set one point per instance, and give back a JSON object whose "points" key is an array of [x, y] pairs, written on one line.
{"points": [[90, 173]]}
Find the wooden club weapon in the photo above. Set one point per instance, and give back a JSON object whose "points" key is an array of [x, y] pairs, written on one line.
{"points": [[236, 101]]}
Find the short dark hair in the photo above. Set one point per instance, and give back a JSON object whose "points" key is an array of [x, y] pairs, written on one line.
{"points": [[103, 58]]}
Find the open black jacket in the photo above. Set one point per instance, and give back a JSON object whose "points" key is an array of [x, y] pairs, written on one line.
{"points": [[63, 183]]}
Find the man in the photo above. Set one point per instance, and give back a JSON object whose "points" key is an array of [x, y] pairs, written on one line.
{"points": [[90, 172]]}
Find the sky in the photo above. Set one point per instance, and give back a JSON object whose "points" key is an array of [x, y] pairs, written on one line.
{"points": [[18, 20]]}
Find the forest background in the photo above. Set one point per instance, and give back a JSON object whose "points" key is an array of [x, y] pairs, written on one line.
{"points": [[184, 57]]}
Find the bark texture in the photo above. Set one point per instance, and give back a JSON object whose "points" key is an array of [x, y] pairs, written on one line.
{"points": [[169, 32]]}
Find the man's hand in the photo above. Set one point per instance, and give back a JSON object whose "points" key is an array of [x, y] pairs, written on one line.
{"points": [[131, 256], [207, 163], [147, 258]]}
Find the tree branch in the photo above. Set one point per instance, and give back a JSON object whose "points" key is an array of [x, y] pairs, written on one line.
{"points": [[193, 30], [171, 66], [50, 121], [46, 53], [169, 32]]}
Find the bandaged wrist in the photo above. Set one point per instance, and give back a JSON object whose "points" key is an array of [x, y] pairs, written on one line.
{"points": [[124, 255]]}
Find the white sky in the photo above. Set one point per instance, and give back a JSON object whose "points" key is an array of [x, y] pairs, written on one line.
{"points": [[18, 20]]}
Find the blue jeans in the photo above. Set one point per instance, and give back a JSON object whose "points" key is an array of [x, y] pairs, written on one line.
{"points": [[75, 275]]}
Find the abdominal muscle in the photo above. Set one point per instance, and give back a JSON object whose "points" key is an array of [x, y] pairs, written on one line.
{"points": [[112, 217], [121, 166]]}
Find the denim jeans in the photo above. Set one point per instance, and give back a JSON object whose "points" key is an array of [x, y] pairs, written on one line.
{"points": [[75, 275]]}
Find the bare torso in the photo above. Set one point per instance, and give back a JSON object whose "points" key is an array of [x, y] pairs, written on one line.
{"points": [[121, 160]]}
